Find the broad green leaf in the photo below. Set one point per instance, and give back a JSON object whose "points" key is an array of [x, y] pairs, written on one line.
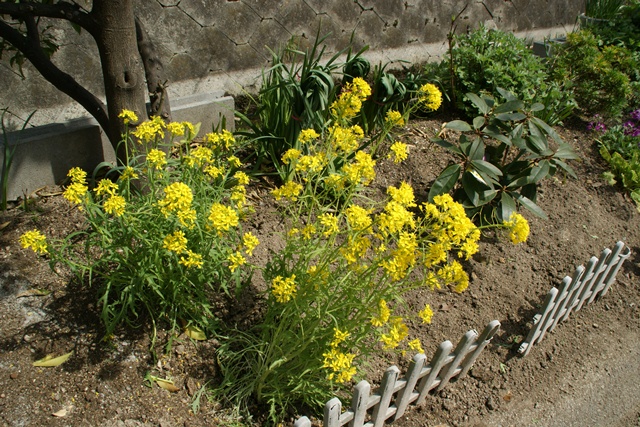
{"points": [[478, 122], [478, 102], [458, 125], [531, 206], [509, 106], [565, 151], [509, 96], [539, 171], [507, 206], [445, 181], [476, 150], [563, 165], [195, 333], [511, 117], [537, 107], [538, 146], [487, 168], [477, 191], [548, 129], [50, 360], [447, 145]]}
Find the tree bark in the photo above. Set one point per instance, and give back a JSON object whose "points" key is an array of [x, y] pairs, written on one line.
{"points": [[122, 69], [155, 74]]}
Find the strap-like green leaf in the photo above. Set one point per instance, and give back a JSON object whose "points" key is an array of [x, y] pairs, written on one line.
{"points": [[445, 181]]}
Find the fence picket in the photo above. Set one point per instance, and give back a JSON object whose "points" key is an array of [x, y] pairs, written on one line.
{"points": [[485, 338], [586, 284], [406, 395], [381, 411], [613, 269], [302, 422], [359, 403], [437, 362], [332, 411], [453, 368]]}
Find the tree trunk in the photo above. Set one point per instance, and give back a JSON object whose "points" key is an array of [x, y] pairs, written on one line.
{"points": [[123, 72]]}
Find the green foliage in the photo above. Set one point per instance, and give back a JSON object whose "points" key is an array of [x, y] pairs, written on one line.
{"points": [[622, 30], [603, 9], [486, 60], [503, 154], [168, 248], [597, 73], [296, 94]]}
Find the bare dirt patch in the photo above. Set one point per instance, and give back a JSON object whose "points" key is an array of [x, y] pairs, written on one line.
{"points": [[581, 374]]}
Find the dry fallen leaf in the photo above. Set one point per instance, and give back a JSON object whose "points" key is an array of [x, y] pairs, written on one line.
{"points": [[63, 412], [166, 384], [195, 333], [50, 360], [4, 225], [33, 293]]}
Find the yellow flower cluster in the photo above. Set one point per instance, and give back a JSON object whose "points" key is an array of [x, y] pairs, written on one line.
{"points": [[283, 289], [426, 314], [236, 260], [349, 103], [290, 190], [250, 242], [416, 345], [340, 363], [358, 218], [77, 191], [430, 96], [198, 157], [114, 204], [177, 200], [35, 240], [128, 116], [398, 331], [518, 228], [157, 159], [345, 139], [307, 135], [399, 152], [355, 249], [222, 217], [453, 274], [329, 223], [221, 140], [129, 173], [394, 118], [361, 170], [175, 242], [150, 130], [383, 314], [191, 260]]}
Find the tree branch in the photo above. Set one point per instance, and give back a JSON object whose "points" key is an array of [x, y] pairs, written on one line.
{"points": [[31, 49], [154, 72], [71, 12]]}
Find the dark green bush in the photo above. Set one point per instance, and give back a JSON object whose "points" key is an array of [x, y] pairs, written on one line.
{"points": [[486, 60]]}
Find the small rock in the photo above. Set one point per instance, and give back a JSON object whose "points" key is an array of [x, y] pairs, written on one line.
{"points": [[595, 326], [491, 404], [13, 375]]}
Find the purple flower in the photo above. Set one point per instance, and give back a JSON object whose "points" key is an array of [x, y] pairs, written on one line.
{"points": [[635, 115]]}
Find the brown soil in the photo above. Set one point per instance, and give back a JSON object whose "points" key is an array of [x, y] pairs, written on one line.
{"points": [[585, 373]]}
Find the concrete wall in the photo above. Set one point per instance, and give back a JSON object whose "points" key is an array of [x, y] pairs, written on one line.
{"points": [[212, 45]]}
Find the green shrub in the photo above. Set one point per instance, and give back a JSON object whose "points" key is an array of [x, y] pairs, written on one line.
{"points": [[597, 73], [486, 60], [502, 156]]}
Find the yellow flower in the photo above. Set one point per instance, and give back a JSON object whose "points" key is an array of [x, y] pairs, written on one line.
{"points": [[213, 171], [75, 193], [383, 314], [283, 289], [106, 187], [290, 190], [150, 130], [243, 178], [77, 175], [221, 140], [250, 242], [399, 151], [175, 242], [426, 314], [222, 217], [35, 240], [430, 96], [395, 218], [290, 155], [358, 218], [156, 158], [454, 275], [307, 135], [234, 161], [338, 337], [398, 332], [518, 228], [199, 156], [350, 100], [330, 224], [187, 217], [416, 345], [340, 365], [311, 164], [175, 128], [308, 231], [191, 260], [128, 116], [402, 195], [394, 118], [177, 198], [129, 173], [235, 260], [355, 249], [115, 205], [361, 169]]}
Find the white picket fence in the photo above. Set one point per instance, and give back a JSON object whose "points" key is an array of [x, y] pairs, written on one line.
{"points": [[586, 284], [394, 395]]}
